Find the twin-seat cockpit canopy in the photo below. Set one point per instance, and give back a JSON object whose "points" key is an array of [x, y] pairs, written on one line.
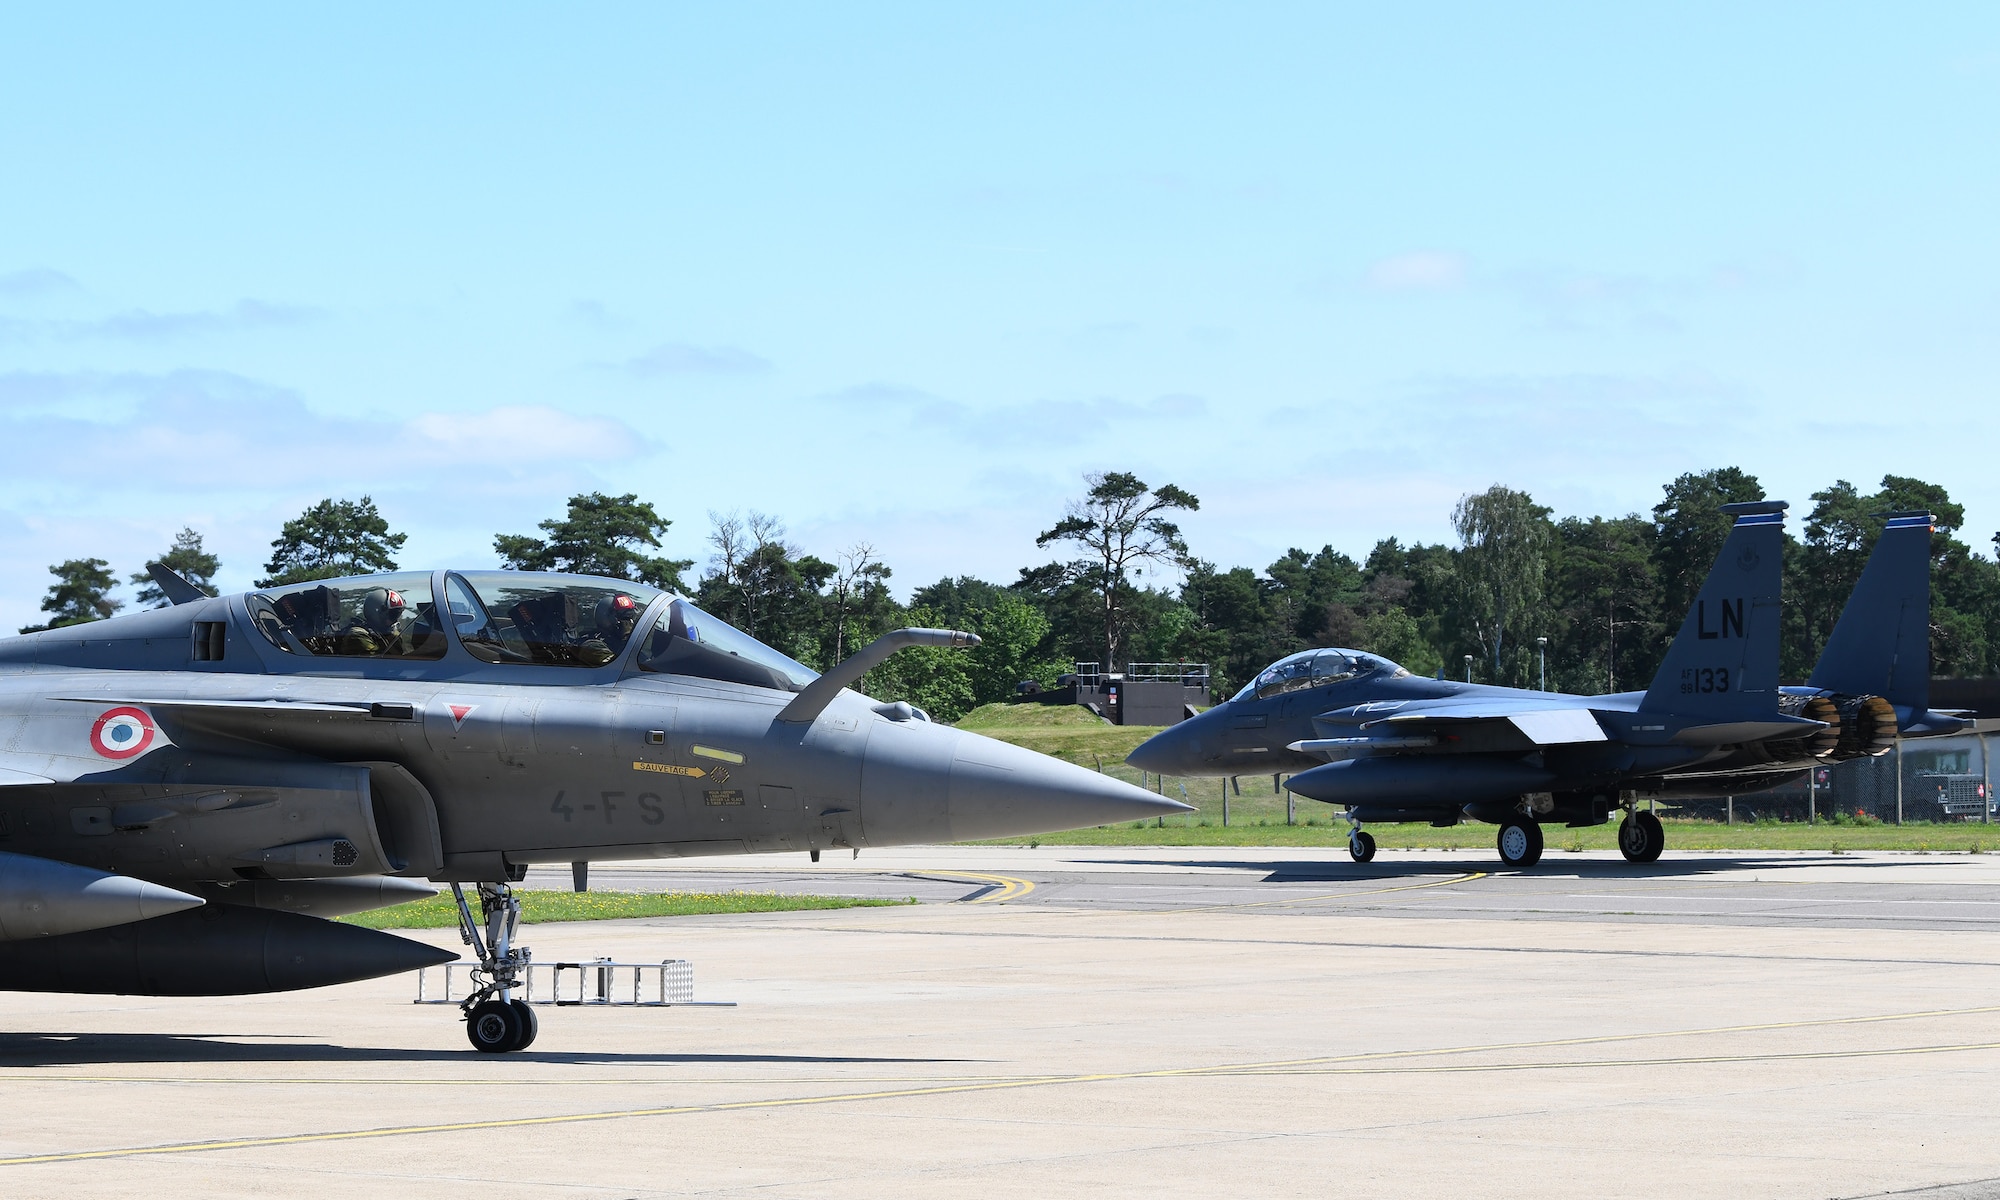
{"points": [[526, 617], [1317, 668]]}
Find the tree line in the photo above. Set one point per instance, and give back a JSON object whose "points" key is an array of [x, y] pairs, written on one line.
{"points": [[1123, 586]]}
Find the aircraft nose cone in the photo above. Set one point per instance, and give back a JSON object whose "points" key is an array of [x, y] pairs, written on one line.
{"points": [[41, 897], [926, 783], [153, 900], [998, 790], [1174, 750]]}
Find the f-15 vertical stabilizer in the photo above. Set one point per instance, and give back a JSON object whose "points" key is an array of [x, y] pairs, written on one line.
{"points": [[1881, 644], [1723, 665]]}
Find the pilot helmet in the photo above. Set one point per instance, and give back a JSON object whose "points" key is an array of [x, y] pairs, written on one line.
{"points": [[382, 607], [617, 612]]}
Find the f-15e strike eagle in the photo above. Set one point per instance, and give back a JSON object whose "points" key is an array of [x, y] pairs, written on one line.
{"points": [[187, 794], [1362, 732]]}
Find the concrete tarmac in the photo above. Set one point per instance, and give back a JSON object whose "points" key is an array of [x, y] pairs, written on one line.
{"points": [[1126, 1022]]}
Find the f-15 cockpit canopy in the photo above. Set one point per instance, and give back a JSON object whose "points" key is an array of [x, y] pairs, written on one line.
{"points": [[1317, 668], [515, 617]]}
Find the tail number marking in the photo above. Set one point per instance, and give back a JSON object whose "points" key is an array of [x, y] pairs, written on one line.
{"points": [[1704, 680]]}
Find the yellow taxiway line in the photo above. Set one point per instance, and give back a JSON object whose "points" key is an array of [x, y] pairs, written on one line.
{"points": [[1328, 1064], [1008, 887]]}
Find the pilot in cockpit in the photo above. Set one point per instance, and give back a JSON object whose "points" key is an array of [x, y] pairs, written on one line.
{"points": [[379, 629], [616, 617]]}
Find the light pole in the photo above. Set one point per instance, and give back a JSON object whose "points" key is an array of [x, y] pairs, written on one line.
{"points": [[1468, 668], [1542, 650]]}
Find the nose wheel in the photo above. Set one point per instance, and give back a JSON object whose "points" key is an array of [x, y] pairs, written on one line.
{"points": [[1361, 846], [1641, 838], [495, 1021], [1520, 843]]}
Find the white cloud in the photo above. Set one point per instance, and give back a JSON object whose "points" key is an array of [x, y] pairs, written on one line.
{"points": [[110, 464], [1422, 270], [139, 324], [34, 282], [211, 430], [523, 434]]}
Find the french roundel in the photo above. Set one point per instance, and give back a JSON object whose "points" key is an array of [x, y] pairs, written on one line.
{"points": [[122, 733]]}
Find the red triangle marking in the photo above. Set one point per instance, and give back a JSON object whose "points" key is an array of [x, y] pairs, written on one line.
{"points": [[459, 712]]}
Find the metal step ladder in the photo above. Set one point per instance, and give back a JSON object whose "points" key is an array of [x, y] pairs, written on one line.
{"points": [[597, 983]]}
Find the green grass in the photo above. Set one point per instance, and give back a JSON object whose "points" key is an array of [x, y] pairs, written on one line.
{"points": [[1257, 817], [1066, 731], [440, 912], [1207, 830]]}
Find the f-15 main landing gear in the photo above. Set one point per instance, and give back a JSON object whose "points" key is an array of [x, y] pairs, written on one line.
{"points": [[495, 1022], [1520, 842], [1641, 837]]}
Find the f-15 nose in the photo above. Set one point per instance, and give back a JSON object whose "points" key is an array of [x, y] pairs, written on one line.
{"points": [[1174, 750]]}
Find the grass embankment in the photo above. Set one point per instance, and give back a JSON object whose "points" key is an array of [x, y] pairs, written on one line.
{"points": [[1257, 817], [441, 912]]}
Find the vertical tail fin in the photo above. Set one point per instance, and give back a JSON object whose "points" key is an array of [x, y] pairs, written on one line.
{"points": [[1881, 646], [1723, 664]]}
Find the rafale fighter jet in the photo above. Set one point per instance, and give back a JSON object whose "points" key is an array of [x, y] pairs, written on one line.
{"points": [[187, 793], [1363, 732]]}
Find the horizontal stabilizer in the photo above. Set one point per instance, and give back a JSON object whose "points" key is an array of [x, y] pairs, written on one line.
{"points": [[1732, 733]]}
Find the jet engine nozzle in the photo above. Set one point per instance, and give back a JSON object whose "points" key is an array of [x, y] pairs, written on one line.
{"points": [[40, 897], [1823, 744], [1867, 727]]}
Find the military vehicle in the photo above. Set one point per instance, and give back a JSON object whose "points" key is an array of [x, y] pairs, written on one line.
{"points": [[1362, 732], [188, 793]]}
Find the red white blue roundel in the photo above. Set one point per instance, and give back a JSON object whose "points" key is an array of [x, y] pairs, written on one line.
{"points": [[122, 733]]}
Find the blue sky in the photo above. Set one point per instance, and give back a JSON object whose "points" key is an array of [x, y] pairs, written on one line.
{"points": [[902, 274]]}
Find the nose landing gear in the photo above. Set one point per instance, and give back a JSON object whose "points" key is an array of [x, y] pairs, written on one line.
{"points": [[495, 1022], [1360, 843]]}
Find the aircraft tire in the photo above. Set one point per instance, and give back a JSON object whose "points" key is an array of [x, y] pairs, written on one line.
{"points": [[1656, 835], [1361, 846], [1632, 840], [1520, 843], [1641, 838], [530, 1023], [493, 1027]]}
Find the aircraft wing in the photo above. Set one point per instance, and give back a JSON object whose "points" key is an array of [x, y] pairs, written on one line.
{"points": [[1543, 727], [65, 748], [10, 777], [273, 707], [1551, 723]]}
